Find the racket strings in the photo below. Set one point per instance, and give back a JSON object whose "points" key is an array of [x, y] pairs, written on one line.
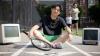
{"points": [[40, 44]]}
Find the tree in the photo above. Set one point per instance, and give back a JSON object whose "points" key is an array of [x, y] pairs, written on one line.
{"points": [[94, 13], [43, 9], [81, 11]]}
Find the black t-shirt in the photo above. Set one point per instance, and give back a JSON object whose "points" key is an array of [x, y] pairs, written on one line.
{"points": [[52, 27]]}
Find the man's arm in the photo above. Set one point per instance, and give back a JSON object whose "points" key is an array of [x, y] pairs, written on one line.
{"points": [[69, 33], [68, 29]]}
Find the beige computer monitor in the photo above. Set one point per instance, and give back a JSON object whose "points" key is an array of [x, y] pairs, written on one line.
{"points": [[9, 33]]}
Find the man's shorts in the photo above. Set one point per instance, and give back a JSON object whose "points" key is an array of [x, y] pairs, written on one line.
{"points": [[50, 37]]}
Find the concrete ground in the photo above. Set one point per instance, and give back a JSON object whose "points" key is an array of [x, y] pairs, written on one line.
{"points": [[24, 48]]}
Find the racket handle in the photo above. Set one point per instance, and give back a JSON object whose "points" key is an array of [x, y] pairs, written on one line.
{"points": [[25, 32]]}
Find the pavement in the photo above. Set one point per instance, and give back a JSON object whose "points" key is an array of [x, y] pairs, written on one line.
{"points": [[74, 48]]}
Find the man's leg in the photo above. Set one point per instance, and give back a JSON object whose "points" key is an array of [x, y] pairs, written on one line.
{"points": [[62, 38], [37, 34]]}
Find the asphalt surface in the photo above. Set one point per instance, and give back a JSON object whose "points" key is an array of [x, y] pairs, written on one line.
{"points": [[74, 48]]}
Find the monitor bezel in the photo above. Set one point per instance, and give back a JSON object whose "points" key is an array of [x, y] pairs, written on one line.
{"points": [[98, 29], [10, 39]]}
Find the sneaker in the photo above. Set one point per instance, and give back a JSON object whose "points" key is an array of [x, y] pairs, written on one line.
{"points": [[57, 46]]}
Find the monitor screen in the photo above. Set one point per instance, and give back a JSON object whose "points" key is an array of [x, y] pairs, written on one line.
{"points": [[90, 34], [11, 31]]}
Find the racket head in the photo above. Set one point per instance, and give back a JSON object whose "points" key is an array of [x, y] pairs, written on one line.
{"points": [[41, 45]]}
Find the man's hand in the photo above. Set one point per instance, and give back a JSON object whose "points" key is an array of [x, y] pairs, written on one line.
{"points": [[68, 29]]}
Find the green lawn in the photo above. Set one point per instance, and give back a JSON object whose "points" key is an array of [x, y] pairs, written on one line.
{"points": [[80, 31]]}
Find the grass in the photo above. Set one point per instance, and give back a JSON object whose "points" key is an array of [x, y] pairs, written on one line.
{"points": [[79, 32]]}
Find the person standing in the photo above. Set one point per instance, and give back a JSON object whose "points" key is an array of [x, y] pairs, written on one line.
{"points": [[75, 18], [69, 20]]}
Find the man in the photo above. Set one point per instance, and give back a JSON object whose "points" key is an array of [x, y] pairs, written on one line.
{"points": [[52, 28]]}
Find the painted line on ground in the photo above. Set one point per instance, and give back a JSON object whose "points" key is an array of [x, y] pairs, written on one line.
{"points": [[42, 53], [38, 53], [52, 53], [79, 50], [20, 50], [5, 52], [94, 52], [59, 53]]}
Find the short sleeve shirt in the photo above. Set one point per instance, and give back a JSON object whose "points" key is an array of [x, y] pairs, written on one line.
{"points": [[75, 13], [69, 20], [52, 27]]}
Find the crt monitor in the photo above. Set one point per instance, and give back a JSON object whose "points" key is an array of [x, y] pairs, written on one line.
{"points": [[9, 33], [91, 35]]}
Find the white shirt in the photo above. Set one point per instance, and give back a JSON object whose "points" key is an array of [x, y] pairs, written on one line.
{"points": [[69, 20], [75, 12]]}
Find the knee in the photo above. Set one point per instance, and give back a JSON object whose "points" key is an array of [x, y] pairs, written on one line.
{"points": [[35, 32]]}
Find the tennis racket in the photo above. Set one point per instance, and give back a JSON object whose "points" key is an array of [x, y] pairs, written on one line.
{"points": [[39, 44]]}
